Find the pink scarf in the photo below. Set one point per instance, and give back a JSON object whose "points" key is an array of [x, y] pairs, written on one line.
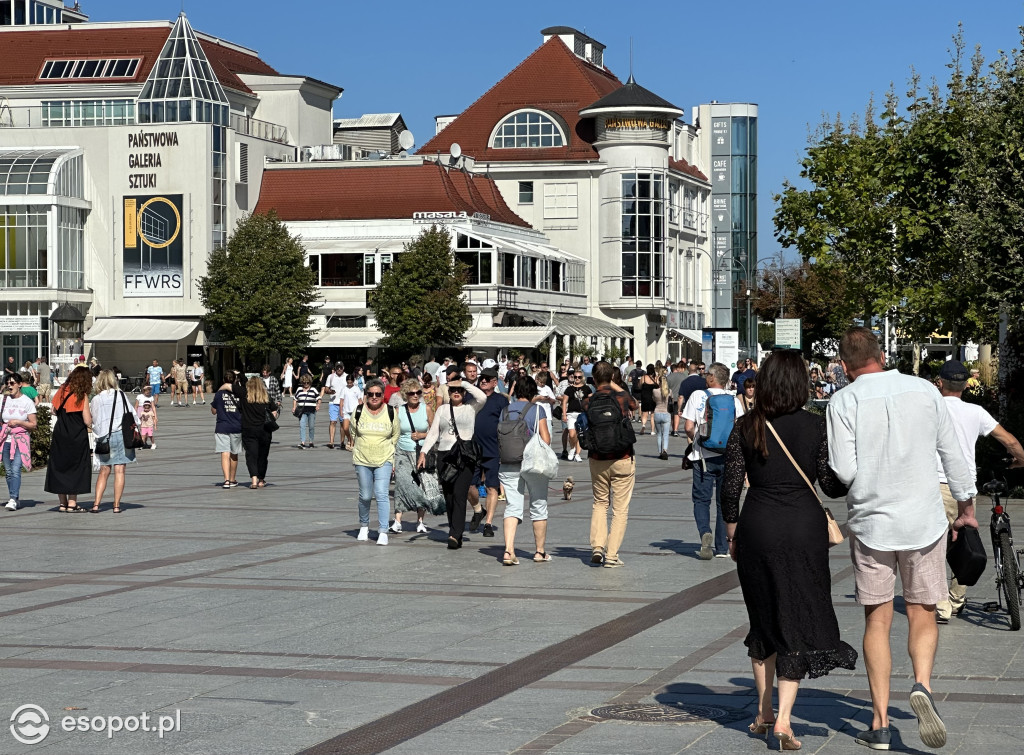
{"points": [[21, 441]]}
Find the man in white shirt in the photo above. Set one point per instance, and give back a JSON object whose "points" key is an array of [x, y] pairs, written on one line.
{"points": [[708, 467], [333, 386], [884, 430], [970, 422], [442, 373]]}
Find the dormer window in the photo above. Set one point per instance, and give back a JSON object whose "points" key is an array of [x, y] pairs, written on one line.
{"points": [[527, 129]]}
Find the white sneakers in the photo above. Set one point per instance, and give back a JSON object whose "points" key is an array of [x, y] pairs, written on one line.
{"points": [[364, 533], [421, 527], [572, 455], [382, 539], [396, 526], [12, 505]]}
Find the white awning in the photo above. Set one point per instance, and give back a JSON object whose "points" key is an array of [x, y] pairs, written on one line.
{"points": [[575, 325], [503, 338], [139, 329], [690, 335], [348, 338]]}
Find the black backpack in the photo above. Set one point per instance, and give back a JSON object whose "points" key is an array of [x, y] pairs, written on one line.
{"points": [[359, 413], [608, 430]]}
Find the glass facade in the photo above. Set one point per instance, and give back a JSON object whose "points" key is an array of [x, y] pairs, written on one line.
{"points": [[643, 235], [734, 219], [88, 112], [182, 88], [23, 246]]}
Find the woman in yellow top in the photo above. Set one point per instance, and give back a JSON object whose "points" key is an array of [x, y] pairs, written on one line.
{"points": [[376, 428]]}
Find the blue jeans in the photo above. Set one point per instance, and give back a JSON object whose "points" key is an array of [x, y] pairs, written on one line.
{"points": [[704, 481], [12, 466], [307, 427], [374, 483], [662, 424]]}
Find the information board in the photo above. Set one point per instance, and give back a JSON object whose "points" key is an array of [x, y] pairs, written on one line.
{"points": [[787, 333]]}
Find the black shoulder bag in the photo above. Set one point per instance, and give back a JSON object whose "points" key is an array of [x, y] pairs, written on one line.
{"points": [[103, 444], [129, 428], [465, 454]]}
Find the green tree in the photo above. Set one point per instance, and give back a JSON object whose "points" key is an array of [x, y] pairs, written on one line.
{"points": [[258, 290], [418, 302]]}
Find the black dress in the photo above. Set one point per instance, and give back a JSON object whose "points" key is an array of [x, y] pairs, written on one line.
{"points": [[647, 402], [782, 547], [69, 470]]}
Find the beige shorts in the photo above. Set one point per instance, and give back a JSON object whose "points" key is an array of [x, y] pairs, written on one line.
{"points": [[922, 571]]}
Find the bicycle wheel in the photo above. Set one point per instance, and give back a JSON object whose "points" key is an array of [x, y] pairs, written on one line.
{"points": [[1011, 584]]}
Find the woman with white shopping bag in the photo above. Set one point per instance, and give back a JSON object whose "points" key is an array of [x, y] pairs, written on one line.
{"points": [[525, 481]]}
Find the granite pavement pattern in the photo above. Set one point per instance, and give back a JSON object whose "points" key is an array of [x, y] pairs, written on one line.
{"points": [[257, 618]]}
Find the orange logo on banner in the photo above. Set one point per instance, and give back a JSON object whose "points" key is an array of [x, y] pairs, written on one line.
{"points": [[131, 228]]}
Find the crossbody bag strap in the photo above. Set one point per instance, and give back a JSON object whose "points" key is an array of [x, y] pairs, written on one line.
{"points": [[455, 423], [112, 403], [412, 428], [798, 469]]}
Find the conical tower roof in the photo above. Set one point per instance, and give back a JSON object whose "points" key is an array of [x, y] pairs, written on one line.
{"points": [[629, 97], [183, 71]]}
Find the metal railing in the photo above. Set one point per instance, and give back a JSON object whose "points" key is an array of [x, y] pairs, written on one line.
{"points": [[254, 127]]}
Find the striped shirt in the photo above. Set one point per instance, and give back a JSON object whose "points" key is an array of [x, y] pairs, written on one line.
{"points": [[305, 399]]}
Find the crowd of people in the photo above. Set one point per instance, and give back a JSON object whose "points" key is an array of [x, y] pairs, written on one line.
{"points": [[455, 436]]}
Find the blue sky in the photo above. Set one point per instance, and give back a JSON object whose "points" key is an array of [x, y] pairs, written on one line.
{"points": [[797, 60]]}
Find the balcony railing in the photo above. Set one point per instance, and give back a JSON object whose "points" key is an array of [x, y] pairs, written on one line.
{"points": [[254, 127], [37, 116]]}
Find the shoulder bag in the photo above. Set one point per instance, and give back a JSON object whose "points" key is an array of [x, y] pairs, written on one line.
{"points": [[463, 455], [102, 444], [129, 428], [835, 535]]}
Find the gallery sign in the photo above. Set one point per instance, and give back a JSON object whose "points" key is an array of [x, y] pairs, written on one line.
{"points": [[153, 250]]}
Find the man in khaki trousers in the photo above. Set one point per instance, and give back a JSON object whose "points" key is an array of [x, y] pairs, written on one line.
{"points": [[612, 477]]}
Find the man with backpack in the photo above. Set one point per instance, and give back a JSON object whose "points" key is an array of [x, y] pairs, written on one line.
{"points": [[710, 415], [609, 437], [486, 436]]}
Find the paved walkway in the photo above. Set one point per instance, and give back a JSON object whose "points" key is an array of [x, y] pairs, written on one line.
{"points": [[258, 617]]}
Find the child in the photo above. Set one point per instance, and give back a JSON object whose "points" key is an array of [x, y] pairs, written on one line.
{"points": [[146, 395], [351, 397], [147, 423]]}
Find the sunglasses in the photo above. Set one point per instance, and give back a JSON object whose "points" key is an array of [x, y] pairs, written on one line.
{"points": [[9, 383], [414, 393], [457, 390], [375, 395]]}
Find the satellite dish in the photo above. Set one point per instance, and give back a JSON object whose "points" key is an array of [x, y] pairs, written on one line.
{"points": [[403, 154], [468, 163], [406, 139], [455, 151]]}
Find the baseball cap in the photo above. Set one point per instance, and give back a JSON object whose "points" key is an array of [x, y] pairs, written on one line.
{"points": [[489, 363], [490, 373], [953, 370]]}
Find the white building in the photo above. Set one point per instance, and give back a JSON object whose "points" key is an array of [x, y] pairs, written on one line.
{"points": [[127, 153], [608, 172]]}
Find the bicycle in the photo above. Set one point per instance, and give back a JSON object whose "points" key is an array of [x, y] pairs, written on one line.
{"points": [[1009, 578]]}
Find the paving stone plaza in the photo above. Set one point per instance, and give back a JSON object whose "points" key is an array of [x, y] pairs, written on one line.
{"points": [[256, 620]]}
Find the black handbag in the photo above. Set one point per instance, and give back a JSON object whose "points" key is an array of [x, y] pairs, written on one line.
{"points": [[269, 423], [465, 454], [102, 444], [966, 555], [129, 428]]}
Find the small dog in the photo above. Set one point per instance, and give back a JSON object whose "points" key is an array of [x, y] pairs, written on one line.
{"points": [[567, 487]]}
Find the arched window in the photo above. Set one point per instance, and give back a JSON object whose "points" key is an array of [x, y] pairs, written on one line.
{"points": [[527, 129]]}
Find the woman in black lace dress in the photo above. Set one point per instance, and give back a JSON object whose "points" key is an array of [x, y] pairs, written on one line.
{"points": [[780, 541]]}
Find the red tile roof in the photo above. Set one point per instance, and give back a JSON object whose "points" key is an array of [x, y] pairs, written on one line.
{"points": [[379, 192], [24, 52], [551, 79], [682, 166]]}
